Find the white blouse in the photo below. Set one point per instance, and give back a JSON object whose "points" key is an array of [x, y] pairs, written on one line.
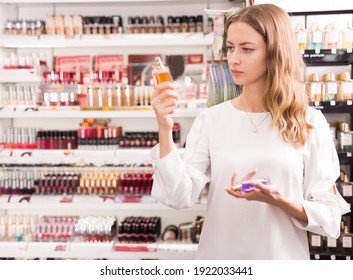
{"points": [[222, 140]]}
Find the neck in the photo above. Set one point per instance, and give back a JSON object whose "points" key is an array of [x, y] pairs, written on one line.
{"points": [[251, 98]]}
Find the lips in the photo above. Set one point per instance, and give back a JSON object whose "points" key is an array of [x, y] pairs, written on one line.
{"points": [[236, 72]]}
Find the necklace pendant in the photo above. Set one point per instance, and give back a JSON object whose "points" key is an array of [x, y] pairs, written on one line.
{"points": [[255, 130]]}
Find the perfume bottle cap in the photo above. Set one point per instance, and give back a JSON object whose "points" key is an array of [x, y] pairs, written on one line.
{"points": [[329, 77], [344, 127], [314, 27], [345, 230], [157, 64], [314, 77], [343, 76]]}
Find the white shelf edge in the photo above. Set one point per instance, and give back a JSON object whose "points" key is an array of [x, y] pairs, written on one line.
{"points": [[8, 112], [85, 1], [118, 40], [86, 203], [19, 76], [88, 251]]}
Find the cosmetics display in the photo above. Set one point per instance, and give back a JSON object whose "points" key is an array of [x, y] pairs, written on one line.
{"points": [[19, 138], [330, 87], [220, 84], [74, 180], [28, 27], [97, 59], [104, 25], [325, 245], [18, 95], [326, 37]]}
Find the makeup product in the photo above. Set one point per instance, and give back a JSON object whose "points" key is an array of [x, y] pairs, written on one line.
{"points": [[246, 186]]}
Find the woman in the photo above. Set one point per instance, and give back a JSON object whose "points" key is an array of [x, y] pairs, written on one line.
{"points": [[267, 131]]}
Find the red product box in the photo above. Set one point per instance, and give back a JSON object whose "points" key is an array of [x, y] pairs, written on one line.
{"points": [[80, 63], [195, 59], [108, 62]]}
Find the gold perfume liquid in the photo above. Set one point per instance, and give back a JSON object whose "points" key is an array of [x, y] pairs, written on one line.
{"points": [[162, 77]]}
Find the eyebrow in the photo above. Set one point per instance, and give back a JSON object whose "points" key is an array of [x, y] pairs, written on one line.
{"points": [[243, 43]]}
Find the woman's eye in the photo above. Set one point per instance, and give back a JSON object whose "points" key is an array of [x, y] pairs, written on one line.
{"points": [[229, 48], [247, 49]]}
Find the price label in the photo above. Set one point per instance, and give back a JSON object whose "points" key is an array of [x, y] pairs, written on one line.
{"points": [[66, 199], [349, 102], [333, 103], [60, 248]]}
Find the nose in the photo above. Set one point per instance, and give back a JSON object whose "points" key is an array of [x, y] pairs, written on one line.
{"points": [[233, 57]]}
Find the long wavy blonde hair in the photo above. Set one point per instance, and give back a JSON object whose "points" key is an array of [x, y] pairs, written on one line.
{"points": [[285, 97]]}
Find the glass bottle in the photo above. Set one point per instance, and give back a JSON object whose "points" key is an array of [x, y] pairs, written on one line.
{"points": [[314, 87], [331, 37], [329, 87], [160, 72], [301, 36], [345, 187], [345, 87], [347, 37], [344, 138], [316, 37], [331, 245], [345, 242], [315, 243]]}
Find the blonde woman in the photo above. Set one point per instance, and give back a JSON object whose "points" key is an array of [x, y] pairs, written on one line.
{"points": [[267, 131]]}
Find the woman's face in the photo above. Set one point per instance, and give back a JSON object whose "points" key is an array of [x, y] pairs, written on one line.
{"points": [[246, 53]]}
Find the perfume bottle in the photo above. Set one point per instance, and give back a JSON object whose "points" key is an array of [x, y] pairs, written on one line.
{"points": [[331, 37], [315, 243], [344, 138], [345, 242], [345, 187], [246, 185], [314, 87], [329, 87], [316, 37], [347, 37], [331, 245], [345, 86], [160, 72], [301, 36]]}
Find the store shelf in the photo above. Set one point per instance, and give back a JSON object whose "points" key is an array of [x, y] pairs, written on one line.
{"points": [[85, 202], [77, 157], [328, 57], [19, 76], [326, 256], [334, 106], [74, 112], [25, 250], [114, 40], [89, 1]]}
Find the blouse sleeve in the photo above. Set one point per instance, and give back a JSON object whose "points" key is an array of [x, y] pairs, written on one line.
{"points": [[323, 208], [178, 182]]}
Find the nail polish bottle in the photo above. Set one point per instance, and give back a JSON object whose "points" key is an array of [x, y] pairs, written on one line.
{"points": [[160, 72]]}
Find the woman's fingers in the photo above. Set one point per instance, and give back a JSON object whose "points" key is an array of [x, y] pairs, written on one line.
{"points": [[249, 175], [233, 178]]}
